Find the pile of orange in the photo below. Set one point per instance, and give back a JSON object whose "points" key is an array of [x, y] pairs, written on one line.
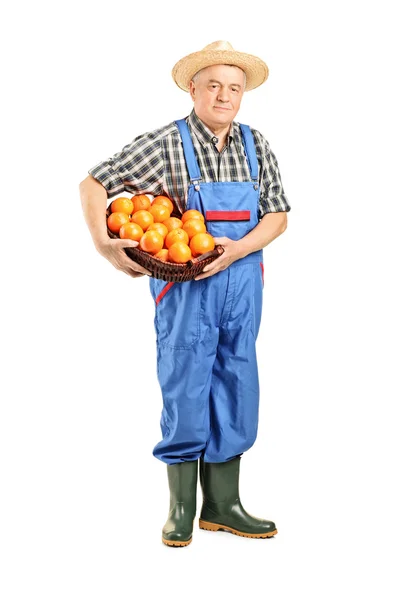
{"points": [[150, 223]]}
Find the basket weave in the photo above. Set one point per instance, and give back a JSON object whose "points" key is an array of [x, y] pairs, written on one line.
{"points": [[169, 271]]}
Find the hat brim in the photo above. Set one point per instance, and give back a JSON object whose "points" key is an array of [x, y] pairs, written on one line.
{"points": [[256, 70]]}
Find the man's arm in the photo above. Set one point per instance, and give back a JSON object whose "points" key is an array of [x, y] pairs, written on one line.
{"points": [[268, 229], [94, 204]]}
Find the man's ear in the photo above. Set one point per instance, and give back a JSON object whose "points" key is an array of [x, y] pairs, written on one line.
{"points": [[192, 89]]}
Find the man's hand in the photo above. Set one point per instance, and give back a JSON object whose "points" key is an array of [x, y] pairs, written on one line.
{"points": [[230, 254], [113, 251]]}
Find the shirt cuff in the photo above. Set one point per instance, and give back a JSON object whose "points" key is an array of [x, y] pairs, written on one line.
{"points": [[274, 204]]}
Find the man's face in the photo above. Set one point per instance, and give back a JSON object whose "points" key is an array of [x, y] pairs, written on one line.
{"points": [[217, 93]]}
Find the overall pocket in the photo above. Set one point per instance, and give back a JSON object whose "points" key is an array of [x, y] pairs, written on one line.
{"points": [[177, 318], [233, 224]]}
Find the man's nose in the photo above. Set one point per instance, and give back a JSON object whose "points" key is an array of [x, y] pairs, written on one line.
{"points": [[223, 95]]}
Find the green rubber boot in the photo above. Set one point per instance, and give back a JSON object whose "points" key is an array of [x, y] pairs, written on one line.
{"points": [[182, 479], [222, 508]]}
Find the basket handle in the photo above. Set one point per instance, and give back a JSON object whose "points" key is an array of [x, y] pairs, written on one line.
{"points": [[218, 250]]}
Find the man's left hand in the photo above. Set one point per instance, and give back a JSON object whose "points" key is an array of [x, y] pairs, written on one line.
{"points": [[230, 254]]}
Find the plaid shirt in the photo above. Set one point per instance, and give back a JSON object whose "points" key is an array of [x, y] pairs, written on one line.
{"points": [[154, 163]]}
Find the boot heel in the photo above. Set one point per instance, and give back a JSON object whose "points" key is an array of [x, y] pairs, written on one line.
{"points": [[209, 526]]}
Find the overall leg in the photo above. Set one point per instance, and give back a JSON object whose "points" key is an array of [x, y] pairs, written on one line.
{"points": [[187, 320], [234, 405], [234, 397]]}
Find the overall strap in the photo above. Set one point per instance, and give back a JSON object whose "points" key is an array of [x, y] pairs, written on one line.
{"points": [[250, 150], [188, 150]]}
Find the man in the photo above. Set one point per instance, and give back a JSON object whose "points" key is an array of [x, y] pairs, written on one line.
{"points": [[206, 328]]}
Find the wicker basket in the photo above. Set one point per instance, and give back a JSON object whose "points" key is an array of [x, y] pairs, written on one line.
{"points": [[169, 271]]}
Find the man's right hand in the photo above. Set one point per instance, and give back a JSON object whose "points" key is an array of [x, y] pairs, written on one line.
{"points": [[113, 251]]}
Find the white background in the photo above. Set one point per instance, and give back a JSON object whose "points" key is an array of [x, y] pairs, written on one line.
{"points": [[83, 500]]}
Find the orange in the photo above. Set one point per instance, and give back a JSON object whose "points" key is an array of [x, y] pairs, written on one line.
{"points": [[192, 214], [131, 231], [159, 212], [122, 204], [141, 202], [179, 253], [163, 200], [172, 223], [176, 235], [142, 218], [162, 255], [193, 226], [116, 220], [201, 243], [160, 227], [151, 242]]}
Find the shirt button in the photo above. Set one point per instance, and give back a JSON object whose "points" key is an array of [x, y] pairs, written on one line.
{"points": [[215, 140]]}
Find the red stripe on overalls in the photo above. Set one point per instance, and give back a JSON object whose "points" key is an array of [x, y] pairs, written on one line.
{"points": [[228, 215], [262, 271], [164, 291]]}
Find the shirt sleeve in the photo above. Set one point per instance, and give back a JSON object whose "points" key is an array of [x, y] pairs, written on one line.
{"points": [[137, 168], [272, 194]]}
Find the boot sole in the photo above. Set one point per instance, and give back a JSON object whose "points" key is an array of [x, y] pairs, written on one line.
{"points": [[176, 543], [217, 527]]}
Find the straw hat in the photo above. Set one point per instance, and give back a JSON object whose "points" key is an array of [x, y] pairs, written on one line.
{"points": [[220, 53]]}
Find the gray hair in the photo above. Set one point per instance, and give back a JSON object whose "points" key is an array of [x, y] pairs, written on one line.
{"points": [[196, 75]]}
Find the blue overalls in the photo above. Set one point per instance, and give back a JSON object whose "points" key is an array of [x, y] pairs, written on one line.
{"points": [[207, 330]]}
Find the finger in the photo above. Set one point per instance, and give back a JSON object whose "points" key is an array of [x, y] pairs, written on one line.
{"points": [[142, 273], [133, 266], [214, 265], [134, 274], [132, 270], [203, 275], [129, 244]]}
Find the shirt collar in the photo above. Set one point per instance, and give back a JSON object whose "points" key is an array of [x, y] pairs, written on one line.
{"points": [[204, 134]]}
